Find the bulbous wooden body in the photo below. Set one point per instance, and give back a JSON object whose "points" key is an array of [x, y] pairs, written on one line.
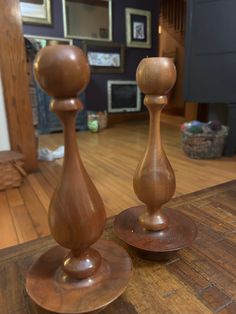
{"points": [[154, 179], [76, 214], [76, 202]]}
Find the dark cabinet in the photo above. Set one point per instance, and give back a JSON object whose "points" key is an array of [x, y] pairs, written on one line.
{"points": [[210, 60], [210, 51]]}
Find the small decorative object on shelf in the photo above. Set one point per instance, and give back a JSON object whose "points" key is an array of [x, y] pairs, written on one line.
{"points": [[204, 140], [82, 274], [151, 229]]}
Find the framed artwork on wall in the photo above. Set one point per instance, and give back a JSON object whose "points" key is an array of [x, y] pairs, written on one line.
{"points": [[39, 42], [138, 28], [104, 57], [88, 19], [123, 96], [36, 11]]}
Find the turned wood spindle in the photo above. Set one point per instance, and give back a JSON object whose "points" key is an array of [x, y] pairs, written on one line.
{"points": [[151, 228], [76, 214], [84, 273], [154, 179]]}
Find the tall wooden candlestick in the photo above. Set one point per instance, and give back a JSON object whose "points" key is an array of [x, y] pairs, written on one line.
{"points": [[150, 227], [82, 279], [154, 180]]}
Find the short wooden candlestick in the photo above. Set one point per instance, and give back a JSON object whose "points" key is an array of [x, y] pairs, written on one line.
{"points": [[152, 228], [83, 274]]}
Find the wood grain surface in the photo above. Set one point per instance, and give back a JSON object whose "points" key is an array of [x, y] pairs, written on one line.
{"points": [[180, 233], [76, 213], [15, 83], [198, 279], [154, 179], [83, 275], [50, 288]]}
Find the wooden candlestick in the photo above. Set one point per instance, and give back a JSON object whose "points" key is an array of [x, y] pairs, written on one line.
{"points": [[83, 279], [154, 180], [150, 227]]}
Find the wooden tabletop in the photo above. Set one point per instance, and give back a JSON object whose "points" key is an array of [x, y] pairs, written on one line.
{"points": [[198, 279]]}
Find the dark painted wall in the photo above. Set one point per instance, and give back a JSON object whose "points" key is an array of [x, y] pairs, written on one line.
{"points": [[96, 93]]}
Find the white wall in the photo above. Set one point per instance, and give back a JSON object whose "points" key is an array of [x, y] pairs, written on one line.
{"points": [[4, 135]]}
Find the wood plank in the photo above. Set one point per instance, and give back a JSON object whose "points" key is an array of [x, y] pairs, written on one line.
{"points": [[16, 292], [214, 298], [188, 275], [45, 170], [210, 270], [15, 83], [8, 231], [229, 309], [14, 198], [35, 208], [24, 226], [45, 185], [166, 289], [39, 191]]}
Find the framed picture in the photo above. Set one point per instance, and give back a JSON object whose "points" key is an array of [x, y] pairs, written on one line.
{"points": [[88, 19], [36, 11], [123, 96], [39, 42], [138, 28], [104, 57]]}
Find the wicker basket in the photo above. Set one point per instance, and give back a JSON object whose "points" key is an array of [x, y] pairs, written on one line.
{"points": [[11, 170], [204, 145]]}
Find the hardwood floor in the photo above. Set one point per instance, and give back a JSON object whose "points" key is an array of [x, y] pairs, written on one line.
{"points": [[110, 158]]}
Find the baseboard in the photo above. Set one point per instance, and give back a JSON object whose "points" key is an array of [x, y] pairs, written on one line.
{"points": [[174, 111], [114, 118]]}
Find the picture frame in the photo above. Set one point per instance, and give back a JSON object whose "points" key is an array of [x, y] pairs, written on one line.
{"points": [[36, 11], [123, 96], [138, 28], [104, 57], [43, 41], [99, 11]]}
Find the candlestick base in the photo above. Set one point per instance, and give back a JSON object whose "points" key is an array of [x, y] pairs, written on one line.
{"points": [[181, 232], [53, 290]]}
